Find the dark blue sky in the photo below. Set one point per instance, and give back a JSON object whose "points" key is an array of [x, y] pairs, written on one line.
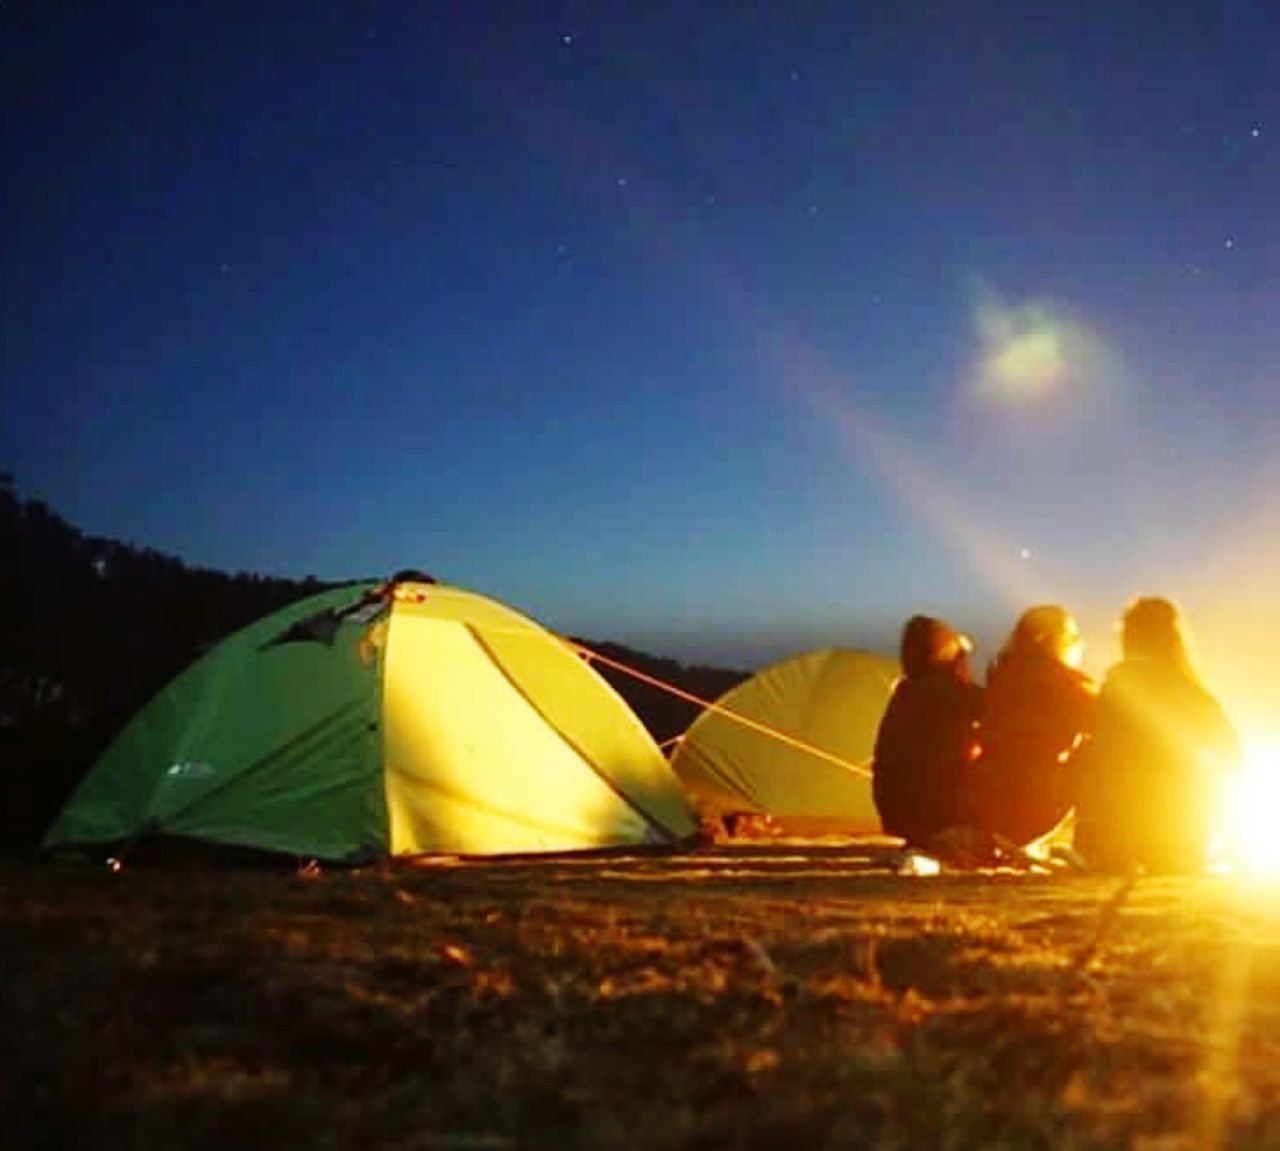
{"points": [[725, 330]]}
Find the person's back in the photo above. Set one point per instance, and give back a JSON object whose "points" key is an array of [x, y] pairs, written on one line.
{"points": [[925, 740], [1038, 712], [1162, 746]]}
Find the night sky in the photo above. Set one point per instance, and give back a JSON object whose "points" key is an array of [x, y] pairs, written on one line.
{"points": [[724, 330]]}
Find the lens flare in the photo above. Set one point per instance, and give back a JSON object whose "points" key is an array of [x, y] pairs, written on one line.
{"points": [[1037, 352], [1022, 350], [1026, 365]]}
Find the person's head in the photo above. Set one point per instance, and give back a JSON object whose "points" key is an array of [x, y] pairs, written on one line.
{"points": [[1048, 630], [1152, 628], [930, 644]]}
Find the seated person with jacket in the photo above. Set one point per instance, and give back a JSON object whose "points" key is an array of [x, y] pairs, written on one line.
{"points": [[1038, 714], [928, 735]]}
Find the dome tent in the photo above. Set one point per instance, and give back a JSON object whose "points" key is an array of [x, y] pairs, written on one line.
{"points": [[801, 750], [375, 720]]}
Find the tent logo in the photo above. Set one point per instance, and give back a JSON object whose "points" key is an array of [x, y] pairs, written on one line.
{"points": [[190, 769]]}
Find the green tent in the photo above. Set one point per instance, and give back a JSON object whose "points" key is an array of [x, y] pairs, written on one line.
{"points": [[794, 742], [378, 720]]}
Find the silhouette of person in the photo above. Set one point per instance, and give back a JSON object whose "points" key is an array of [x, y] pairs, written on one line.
{"points": [[1151, 785], [927, 736], [1038, 713]]}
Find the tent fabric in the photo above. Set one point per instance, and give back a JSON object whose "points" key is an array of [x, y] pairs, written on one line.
{"points": [[380, 720], [830, 700]]}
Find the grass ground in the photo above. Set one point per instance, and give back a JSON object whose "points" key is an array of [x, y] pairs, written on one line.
{"points": [[740, 997]]}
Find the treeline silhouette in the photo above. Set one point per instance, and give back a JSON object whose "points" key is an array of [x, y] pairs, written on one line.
{"points": [[91, 628]]}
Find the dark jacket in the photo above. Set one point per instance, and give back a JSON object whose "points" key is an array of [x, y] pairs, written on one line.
{"points": [[1151, 786], [1038, 713], [923, 751]]}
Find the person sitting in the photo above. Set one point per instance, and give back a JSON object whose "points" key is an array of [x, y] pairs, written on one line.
{"points": [[1152, 779], [1038, 713], [927, 737]]}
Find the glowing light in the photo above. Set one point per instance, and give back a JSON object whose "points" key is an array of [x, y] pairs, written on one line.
{"points": [[1253, 809], [1039, 353], [1028, 364], [1023, 349]]}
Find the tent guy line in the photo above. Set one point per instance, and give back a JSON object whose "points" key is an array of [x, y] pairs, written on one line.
{"points": [[708, 705], [592, 656]]}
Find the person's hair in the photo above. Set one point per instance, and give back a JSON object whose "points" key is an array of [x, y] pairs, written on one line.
{"points": [[1046, 629], [1152, 628], [929, 643]]}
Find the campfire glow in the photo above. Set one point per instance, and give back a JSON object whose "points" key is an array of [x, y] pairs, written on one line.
{"points": [[1252, 832]]}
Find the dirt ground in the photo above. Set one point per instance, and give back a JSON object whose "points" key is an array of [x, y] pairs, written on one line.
{"points": [[743, 996]]}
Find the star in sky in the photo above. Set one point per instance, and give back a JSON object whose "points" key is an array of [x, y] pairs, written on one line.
{"points": [[875, 166]]}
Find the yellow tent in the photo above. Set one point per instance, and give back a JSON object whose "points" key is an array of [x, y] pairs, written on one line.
{"points": [[797, 746]]}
